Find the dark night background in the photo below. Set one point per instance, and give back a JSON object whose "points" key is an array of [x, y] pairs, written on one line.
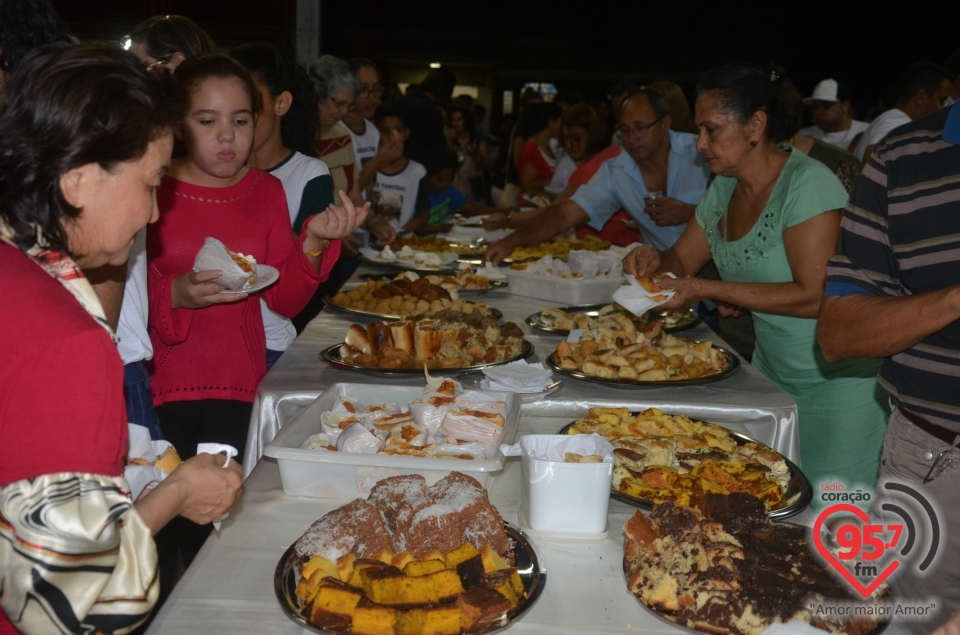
{"points": [[582, 47]]}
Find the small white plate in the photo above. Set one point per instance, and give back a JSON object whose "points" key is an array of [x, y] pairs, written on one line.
{"points": [[266, 275]]}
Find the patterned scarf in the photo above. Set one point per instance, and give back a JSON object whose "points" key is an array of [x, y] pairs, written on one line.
{"points": [[64, 270]]}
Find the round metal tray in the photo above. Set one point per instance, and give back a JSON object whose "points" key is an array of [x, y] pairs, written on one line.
{"points": [[527, 560], [797, 497], [880, 627], [328, 302], [731, 369], [692, 318], [331, 355]]}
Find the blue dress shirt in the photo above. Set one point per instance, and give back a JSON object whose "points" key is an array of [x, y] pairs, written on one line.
{"points": [[619, 183]]}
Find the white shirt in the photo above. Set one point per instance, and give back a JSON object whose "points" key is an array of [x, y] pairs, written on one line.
{"points": [[365, 144], [135, 343], [294, 174], [841, 139], [879, 128], [398, 191]]}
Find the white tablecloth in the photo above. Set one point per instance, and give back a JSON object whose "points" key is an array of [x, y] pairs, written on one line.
{"points": [[229, 587], [748, 397]]}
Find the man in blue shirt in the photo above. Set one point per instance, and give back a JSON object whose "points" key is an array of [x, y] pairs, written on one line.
{"points": [[656, 160]]}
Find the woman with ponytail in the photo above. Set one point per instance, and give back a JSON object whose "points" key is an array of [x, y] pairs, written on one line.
{"points": [[770, 222]]}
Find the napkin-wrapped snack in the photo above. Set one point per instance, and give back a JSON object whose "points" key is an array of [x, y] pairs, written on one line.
{"points": [[480, 422], [357, 439], [239, 271]]}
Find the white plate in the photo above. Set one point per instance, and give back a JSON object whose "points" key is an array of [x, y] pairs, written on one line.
{"points": [[266, 275], [446, 258]]}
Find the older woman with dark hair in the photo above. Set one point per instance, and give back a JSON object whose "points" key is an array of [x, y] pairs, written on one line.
{"points": [[770, 222], [85, 136], [166, 40]]}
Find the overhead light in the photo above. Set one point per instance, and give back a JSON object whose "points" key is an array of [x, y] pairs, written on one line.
{"points": [[434, 64], [127, 42]]}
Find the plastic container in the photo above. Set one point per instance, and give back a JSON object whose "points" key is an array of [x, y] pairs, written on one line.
{"points": [[563, 291], [556, 496], [343, 476]]}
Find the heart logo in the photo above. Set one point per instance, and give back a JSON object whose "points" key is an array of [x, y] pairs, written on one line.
{"points": [[865, 591]]}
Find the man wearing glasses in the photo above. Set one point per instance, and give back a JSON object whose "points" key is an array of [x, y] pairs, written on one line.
{"points": [[893, 291], [658, 180]]}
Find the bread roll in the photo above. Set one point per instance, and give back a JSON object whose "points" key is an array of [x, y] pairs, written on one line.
{"points": [[426, 339], [402, 333], [357, 338], [379, 336]]}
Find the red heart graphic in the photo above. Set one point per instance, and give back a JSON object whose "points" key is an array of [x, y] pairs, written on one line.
{"points": [[865, 591]]}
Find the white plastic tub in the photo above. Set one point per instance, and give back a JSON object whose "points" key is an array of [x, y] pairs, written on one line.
{"points": [[563, 291], [563, 497], [344, 476]]}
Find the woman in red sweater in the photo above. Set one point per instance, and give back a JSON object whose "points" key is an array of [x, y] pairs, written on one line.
{"points": [[209, 347], [85, 135]]}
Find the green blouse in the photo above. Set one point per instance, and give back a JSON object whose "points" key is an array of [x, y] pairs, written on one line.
{"points": [[804, 189]]}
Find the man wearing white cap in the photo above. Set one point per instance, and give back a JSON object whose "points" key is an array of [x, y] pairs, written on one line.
{"points": [[833, 116]]}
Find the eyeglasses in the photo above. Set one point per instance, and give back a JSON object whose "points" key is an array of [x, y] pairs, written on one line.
{"points": [[944, 460], [370, 90], [340, 103], [638, 129]]}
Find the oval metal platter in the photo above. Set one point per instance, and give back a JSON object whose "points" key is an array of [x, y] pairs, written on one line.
{"points": [[331, 355], [688, 319], [877, 630], [527, 559], [797, 497], [328, 302], [732, 367]]}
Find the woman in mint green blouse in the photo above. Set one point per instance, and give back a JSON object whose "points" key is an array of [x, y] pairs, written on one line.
{"points": [[770, 222]]}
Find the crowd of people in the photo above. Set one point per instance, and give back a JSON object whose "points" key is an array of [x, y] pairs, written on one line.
{"points": [[826, 252]]}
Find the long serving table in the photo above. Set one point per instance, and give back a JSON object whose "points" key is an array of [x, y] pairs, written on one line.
{"points": [[229, 587]]}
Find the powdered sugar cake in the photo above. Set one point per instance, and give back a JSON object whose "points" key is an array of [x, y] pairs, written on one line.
{"points": [[357, 527], [458, 512], [403, 514]]}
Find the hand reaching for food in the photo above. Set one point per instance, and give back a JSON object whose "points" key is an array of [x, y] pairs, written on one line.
{"points": [[641, 261]]}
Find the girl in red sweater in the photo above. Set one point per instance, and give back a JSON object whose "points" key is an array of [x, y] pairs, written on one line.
{"points": [[209, 346]]}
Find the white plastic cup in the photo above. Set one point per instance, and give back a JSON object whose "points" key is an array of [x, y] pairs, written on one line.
{"points": [[564, 497]]}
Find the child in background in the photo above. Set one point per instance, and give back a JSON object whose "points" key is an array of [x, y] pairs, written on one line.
{"points": [[209, 346], [283, 146], [395, 191], [445, 199]]}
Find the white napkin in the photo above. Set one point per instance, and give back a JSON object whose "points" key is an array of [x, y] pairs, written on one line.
{"points": [[519, 377], [638, 300], [139, 446], [470, 220], [554, 447], [217, 448]]}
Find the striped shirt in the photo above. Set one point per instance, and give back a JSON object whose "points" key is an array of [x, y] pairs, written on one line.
{"points": [[900, 236]]}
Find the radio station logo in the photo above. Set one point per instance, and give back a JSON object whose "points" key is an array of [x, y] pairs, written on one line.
{"points": [[865, 551]]}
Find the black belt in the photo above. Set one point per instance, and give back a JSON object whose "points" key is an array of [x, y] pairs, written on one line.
{"points": [[943, 434]]}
